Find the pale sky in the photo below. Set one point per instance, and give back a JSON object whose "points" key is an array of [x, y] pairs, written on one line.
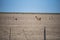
{"points": [[30, 6]]}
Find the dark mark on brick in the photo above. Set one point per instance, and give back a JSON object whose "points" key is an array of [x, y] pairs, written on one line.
{"points": [[38, 18], [16, 19]]}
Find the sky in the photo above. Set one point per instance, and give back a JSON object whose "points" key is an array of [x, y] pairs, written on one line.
{"points": [[50, 6]]}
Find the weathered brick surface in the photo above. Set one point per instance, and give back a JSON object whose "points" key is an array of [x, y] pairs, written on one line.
{"points": [[29, 26]]}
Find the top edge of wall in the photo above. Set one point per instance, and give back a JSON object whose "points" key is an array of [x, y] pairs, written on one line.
{"points": [[25, 13]]}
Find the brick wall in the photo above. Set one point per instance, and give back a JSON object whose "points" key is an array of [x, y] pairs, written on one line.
{"points": [[29, 26]]}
